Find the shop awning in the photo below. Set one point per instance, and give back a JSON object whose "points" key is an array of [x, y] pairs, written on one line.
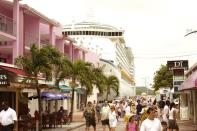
{"points": [[67, 89], [14, 70], [50, 96], [190, 82]]}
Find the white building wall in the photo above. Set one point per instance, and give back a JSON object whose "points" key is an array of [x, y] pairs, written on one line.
{"points": [[94, 95], [32, 104], [126, 90]]}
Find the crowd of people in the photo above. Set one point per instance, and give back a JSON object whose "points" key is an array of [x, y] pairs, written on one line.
{"points": [[138, 114]]}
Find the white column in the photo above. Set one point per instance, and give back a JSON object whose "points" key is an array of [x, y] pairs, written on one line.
{"points": [[16, 29]]}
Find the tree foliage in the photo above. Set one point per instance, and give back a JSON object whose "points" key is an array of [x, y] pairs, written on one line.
{"points": [[111, 83], [163, 78], [35, 62]]}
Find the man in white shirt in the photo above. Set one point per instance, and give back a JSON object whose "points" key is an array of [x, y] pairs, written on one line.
{"points": [[105, 115], [151, 123], [8, 118]]}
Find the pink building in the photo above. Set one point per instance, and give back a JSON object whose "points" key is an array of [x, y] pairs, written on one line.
{"points": [[20, 27]]}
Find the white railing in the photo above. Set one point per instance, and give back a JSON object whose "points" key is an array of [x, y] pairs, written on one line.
{"points": [[7, 25]]}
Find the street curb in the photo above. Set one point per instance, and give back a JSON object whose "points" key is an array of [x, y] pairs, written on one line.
{"points": [[72, 128]]}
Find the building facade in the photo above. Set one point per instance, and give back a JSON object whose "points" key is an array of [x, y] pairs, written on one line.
{"points": [[20, 27], [188, 95]]}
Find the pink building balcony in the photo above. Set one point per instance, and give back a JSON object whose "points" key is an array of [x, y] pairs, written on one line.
{"points": [[7, 26]]}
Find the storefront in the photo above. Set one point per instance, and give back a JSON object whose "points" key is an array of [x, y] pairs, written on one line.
{"points": [[11, 89], [188, 96]]}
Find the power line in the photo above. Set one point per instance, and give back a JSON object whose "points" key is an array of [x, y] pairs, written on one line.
{"points": [[163, 57]]}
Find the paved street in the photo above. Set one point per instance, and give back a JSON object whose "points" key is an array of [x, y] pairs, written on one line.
{"points": [[187, 126], [79, 125], [120, 127]]}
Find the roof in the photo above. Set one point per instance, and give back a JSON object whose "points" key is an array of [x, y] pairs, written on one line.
{"points": [[91, 26], [191, 69], [31, 10]]}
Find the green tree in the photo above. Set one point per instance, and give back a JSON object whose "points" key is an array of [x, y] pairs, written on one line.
{"points": [[95, 78], [77, 73], [99, 78], [35, 62], [111, 83], [163, 78]]}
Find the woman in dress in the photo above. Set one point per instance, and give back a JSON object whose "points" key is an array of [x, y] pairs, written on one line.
{"points": [[131, 124], [112, 118]]}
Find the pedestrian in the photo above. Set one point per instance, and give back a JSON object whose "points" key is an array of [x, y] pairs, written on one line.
{"points": [[89, 115], [138, 110], [112, 118], [172, 118], [164, 126], [105, 115], [166, 111], [98, 111], [151, 123], [36, 116], [127, 112], [131, 125], [138, 107], [8, 117], [161, 104]]}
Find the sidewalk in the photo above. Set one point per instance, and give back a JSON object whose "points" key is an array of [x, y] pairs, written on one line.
{"points": [[70, 127], [78, 121], [187, 125]]}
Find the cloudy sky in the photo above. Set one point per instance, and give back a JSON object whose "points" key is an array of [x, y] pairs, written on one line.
{"points": [[154, 29]]}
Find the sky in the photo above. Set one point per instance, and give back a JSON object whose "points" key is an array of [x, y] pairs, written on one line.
{"points": [[154, 29]]}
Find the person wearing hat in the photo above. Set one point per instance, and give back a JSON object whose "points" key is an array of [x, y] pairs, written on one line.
{"points": [[131, 124]]}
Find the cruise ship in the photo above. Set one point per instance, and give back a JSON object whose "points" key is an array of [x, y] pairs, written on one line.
{"points": [[107, 42]]}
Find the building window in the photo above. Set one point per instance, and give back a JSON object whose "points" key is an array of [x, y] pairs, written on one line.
{"points": [[3, 60]]}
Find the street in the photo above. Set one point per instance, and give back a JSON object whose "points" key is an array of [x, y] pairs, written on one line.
{"points": [[120, 127]]}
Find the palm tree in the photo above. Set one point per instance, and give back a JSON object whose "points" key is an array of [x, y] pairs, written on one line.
{"points": [[111, 83], [99, 78], [62, 70], [89, 81], [36, 62], [76, 72]]}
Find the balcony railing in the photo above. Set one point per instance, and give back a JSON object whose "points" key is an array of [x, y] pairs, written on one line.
{"points": [[7, 25]]}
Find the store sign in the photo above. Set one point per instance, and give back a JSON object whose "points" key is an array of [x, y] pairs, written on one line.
{"points": [[177, 64], [4, 81]]}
